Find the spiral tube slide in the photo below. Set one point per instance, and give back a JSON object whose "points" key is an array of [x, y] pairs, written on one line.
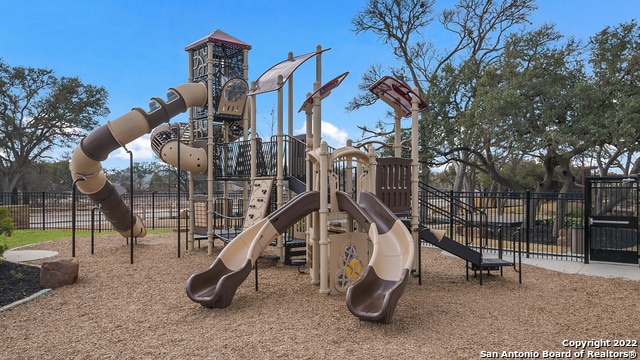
{"points": [[96, 147], [165, 141]]}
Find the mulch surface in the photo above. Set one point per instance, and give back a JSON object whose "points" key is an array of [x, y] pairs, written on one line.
{"points": [[17, 281], [141, 311]]}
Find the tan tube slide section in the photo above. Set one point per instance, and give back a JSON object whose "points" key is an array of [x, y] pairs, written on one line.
{"points": [[165, 140], [96, 147]]}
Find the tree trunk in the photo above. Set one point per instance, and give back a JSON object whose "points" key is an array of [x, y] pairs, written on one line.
{"points": [[461, 171], [563, 198]]}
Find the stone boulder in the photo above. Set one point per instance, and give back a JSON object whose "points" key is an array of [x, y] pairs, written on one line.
{"points": [[59, 272]]}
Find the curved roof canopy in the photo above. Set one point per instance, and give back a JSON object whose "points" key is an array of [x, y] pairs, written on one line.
{"points": [[269, 80], [324, 91], [397, 94]]}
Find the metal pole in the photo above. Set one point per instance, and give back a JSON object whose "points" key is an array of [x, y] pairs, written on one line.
{"points": [[210, 146], [280, 165], [451, 212], [322, 224], [191, 187], [73, 216], [415, 180], [586, 248], [178, 183], [527, 221], [315, 236], [93, 227], [153, 210], [131, 197]]}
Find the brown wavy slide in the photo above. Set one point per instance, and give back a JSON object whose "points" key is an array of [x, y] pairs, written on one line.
{"points": [[372, 298]]}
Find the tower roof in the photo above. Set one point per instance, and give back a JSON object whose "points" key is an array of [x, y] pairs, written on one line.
{"points": [[220, 37]]}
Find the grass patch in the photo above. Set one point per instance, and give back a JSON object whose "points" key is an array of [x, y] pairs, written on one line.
{"points": [[27, 237]]}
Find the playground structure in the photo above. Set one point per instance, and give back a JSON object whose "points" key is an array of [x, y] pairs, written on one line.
{"points": [[371, 192], [96, 147]]}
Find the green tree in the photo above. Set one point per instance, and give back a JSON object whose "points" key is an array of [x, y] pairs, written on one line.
{"points": [[150, 176], [534, 95], [47, 176], [163, 180], [614, 98], [478, 27], [533, 98], [6, 222], [39, 113]]}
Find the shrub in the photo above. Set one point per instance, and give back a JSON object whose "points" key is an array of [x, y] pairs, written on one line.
{"points": [[6, 222], [6, 228], [3, 248]]}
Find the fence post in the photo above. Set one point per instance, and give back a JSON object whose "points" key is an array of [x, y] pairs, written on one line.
{"points": [[451, 210], [132, 216], [178, 171], [43, 212], [527, 221], [153, 210], [93, 228], [587, 215]]}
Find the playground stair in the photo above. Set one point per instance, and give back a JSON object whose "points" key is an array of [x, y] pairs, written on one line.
{"points": [[456, 212], [295, 251], [475, 259]]}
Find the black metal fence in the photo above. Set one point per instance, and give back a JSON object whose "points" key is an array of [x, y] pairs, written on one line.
{"points": [[53, 211], [548, 225]]}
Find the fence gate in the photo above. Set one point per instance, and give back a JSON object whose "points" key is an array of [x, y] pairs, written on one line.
{"points": [[611, 214]]}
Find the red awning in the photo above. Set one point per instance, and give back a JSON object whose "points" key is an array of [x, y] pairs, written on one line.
{"points": [[397, 94], [324, 91]]}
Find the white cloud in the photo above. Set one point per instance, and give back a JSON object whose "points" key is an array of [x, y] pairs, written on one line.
{"points": [[333, 135], [140, 147]]}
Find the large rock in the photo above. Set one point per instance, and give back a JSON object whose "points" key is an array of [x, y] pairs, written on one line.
{"points": [[59, 272]]}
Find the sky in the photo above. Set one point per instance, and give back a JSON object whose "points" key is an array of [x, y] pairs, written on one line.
{"points": [[136, 49]]}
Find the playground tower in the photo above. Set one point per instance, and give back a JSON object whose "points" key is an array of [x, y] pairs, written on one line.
{"points": [[221, 62]]}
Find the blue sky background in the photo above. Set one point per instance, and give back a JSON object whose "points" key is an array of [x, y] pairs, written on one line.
{"points": [[135, 49]]}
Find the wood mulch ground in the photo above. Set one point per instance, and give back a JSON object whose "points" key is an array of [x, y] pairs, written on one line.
{"points": [[141, 311]]}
